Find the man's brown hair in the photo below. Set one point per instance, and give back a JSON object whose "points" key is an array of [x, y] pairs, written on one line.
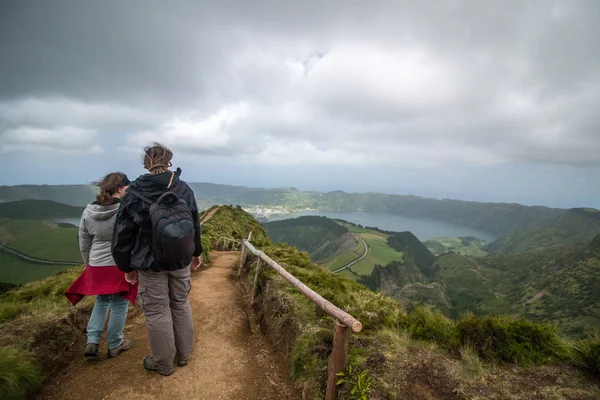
{"points": [[157, 158]]}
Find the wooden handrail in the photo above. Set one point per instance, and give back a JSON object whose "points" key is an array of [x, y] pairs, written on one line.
{"points": [[343, 321], [337, 313]]}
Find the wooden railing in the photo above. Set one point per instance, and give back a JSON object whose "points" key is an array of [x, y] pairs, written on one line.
{"points": [[344, 322]]}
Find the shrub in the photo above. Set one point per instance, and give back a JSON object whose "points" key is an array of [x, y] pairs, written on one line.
{"points": [[10, 310], [425, 324], [508, 339], [585, 354], [19, 375]]}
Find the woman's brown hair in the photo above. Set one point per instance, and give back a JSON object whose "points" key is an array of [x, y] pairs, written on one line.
{"points": [[109, 186], [157, 158]]}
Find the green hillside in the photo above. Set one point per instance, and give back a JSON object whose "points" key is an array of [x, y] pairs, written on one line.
{"points": [[560, 285], [74, 195], [467, 246], [378, 250], [412, 247], [17, 271], [38, 209], [46, 240], [37, 239], [335, 243], [321, 237], [571, 227]]}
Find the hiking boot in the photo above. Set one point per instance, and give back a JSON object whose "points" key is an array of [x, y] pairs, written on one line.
{"points": [[91, 350], [151, 365], [126, 345], [183, 363]]}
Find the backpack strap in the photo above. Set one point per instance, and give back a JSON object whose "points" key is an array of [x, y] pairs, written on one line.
{"points": [[171, 180], [140, 195]]}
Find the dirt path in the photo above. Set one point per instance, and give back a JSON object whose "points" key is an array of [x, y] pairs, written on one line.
{"points": [[231, 359], [209, 215]]}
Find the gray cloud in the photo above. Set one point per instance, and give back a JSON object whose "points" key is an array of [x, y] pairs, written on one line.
{"points": [[420, 84]]}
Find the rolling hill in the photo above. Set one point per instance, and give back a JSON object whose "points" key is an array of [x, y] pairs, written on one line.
{"points": [[73, 195], [38, 209], [571, 227], [321, 237], [37, 239]]}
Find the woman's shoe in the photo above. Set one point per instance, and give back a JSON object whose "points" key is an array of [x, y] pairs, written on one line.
{"points": [[91, 350], [126, 345]]}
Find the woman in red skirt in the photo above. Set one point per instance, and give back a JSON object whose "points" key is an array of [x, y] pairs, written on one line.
{"points": [[102, 278]]}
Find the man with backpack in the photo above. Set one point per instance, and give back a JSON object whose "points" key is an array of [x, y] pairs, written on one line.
{"points": [[156, 237]]}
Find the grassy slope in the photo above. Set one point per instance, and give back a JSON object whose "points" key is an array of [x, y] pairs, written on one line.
{"points": [[572, 227], [379, 251], [472, 248], [38, 209], [342, 259], [38, 328], [15, 270], [41, 239]]}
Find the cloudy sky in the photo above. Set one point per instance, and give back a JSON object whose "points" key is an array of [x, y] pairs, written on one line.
{"points": [[479, 100]]}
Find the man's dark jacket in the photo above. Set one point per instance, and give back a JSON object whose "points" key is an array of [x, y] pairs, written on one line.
{"points": [[132, 234]]}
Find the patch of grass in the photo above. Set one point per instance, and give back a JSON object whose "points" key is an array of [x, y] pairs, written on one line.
{"points": [[39, 299], [346, 258], [19, 374], [472, 366], [18, 271], [380, 253], [46, 240], [585, 353], [425, 324], [513, 340], [471, 247], [10, 310], [233, 223]]}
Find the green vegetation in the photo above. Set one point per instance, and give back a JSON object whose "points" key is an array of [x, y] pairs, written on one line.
{"points": [[45, 240], [512, 340], [14, 270], [585, 353], [571, 227], [34, 331], [232, 223], [321, 237], [38, 209], [467, 246], [380, 253], [19, 374], [408, 243], [334, 243]]}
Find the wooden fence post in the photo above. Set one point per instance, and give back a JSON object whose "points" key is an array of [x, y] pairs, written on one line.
{"points": [[255, 286], [242, 260], [337, 362]]}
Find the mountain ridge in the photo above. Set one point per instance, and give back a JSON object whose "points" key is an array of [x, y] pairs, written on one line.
{"points": [[496, 218]]}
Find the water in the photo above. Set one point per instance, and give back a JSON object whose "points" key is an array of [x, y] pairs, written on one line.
{"points": [[72, 221], [422, 228]]}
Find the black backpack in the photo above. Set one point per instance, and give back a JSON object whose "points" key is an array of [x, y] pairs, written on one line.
{"points": [[173, 233]]}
